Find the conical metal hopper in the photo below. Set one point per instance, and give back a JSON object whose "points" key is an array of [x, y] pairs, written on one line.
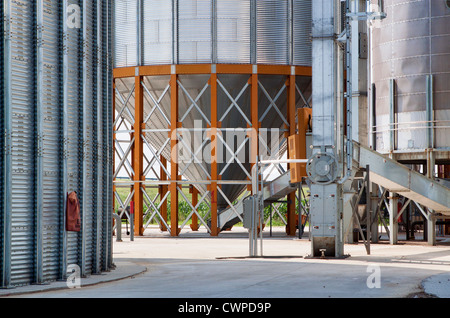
{"points": [[195, 88], [198, 32]]}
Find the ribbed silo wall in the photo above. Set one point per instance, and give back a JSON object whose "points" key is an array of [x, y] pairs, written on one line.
{"points": [[56, 135], [152, 32], [202, 32], [411, 74]]}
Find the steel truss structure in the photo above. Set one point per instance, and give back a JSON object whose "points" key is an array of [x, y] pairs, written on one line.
{"points": [[155, 107]]}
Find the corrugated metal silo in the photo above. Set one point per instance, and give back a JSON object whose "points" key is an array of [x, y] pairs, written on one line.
{"points": [[55, 103], [207, 52], [411, 73]]}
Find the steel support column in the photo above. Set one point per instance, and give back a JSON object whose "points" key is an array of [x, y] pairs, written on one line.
{"points": [[214, 153], [291, 226], [253, 134], [173, 188], [194, 193], [162, 193], [393, 218], [138, 154]]}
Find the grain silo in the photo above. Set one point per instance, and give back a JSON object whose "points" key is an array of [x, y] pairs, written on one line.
{"points": [[411, 73], [55, 123], [215, 66]]}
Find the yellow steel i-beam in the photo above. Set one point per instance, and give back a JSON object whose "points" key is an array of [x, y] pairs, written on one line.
{"points": [[138, 158]]}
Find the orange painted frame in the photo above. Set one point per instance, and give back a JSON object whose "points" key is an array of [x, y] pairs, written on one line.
{"points": [[174, 70]]}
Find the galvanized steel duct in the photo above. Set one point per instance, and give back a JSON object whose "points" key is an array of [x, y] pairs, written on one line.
{"points": [[56, 135]]}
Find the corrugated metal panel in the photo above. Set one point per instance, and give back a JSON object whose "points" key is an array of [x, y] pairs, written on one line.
{"points": [[302, 20], [108, 110], [2, 146], [87, 191], [157, 28], [73, 129], [100, 136], [233, 31], [194, 31], [207, 31], [49, 190], [272, 24], [125, 33], [23, 149], [45, 151]]}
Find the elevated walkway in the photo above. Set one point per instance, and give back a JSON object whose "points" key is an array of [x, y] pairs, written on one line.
{"points": [[388, 173]]}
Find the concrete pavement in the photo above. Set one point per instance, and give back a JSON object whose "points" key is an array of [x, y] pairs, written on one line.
{"points": [[196, 265]]}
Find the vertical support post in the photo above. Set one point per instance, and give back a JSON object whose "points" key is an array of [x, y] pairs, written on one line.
{"points": [[374, 206], [393, 223], [431, 219], [392, 125], [291, 226], [431, 162], [138, 156], [214, 152], [368, 210], [174, 230], [431, 228], [162, 193], [430, 113], [254, 132], [194, 193], [254, 117]]}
